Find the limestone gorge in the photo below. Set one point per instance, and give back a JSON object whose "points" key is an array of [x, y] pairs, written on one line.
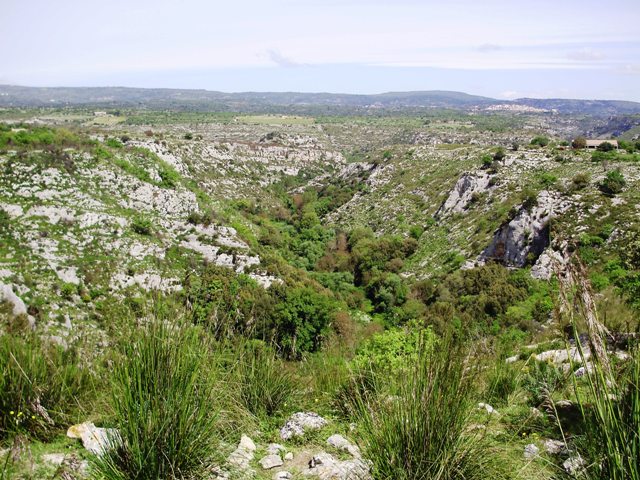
{"points": [[424, 285]]}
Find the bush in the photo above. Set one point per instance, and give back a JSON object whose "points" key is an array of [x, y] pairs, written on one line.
{"points": [[605, 147], [392, 351], [142, 226], [422, 431], [613, 183], [579, 143], [165, 406], [540, 141], [41, 387], [580, 181]]}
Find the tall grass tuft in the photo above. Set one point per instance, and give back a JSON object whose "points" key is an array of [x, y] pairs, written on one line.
{"points": [[611, 405], [422, 431], [265, 384], [165, 406], [612, 415], [41, 387]]}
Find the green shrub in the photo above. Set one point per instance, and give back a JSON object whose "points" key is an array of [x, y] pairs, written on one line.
{"points": [[166, 406], [540, 141], [613, 183], [580, 181], [41, 387], [142, 226], [169, 177], [422, 431], [113, 143], [393, 350]]}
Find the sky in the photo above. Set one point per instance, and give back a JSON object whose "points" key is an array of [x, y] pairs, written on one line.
{"points": [[503, 49]]}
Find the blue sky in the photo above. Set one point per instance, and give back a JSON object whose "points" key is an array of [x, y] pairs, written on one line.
{"points": [[504, 49]]}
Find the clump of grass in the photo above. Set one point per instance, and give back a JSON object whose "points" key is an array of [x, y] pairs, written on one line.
{"points": [[502, 382], [265, 384], [41, 387], [165, 406], [611, 411], [541, 379], [611, 405], [422, 431]]}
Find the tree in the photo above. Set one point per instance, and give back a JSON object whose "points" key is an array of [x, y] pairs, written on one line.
{"points": [[606, 147], [301, 319], [579, 143]]}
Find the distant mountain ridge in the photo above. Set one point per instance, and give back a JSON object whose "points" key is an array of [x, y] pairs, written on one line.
{"points": [[207, 100]]}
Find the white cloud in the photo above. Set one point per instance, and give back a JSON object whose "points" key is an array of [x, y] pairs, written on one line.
{"points": [[585, 55], [281, 60]]}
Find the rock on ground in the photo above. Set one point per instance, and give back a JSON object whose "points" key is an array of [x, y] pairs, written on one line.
{"points": [[341, 443], [531, 451], [241, 457], [96, 440], [271, 461], [326, 467], [301, 422]]}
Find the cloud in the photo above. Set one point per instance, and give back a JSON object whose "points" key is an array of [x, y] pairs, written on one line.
{"points": [[488, 47], [585, 55], [279, 59], [629, 69]]}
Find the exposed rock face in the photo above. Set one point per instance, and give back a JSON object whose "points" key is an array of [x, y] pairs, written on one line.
{"points": [[299, 423], [462, 194], [544, 266], [7, 295], [526, 235]]}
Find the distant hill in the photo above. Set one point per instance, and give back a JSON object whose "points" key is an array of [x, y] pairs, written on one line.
{"points": [[205, 100]]}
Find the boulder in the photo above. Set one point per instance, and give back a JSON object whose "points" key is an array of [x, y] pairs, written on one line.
{"points": [[95, 439]]}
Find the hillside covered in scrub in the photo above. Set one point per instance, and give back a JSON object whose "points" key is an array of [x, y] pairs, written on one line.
{"points": [[443, 294]]}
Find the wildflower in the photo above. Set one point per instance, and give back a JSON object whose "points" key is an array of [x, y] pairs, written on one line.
{"points": [[33, 417], [12, 412], [20, 414]]}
